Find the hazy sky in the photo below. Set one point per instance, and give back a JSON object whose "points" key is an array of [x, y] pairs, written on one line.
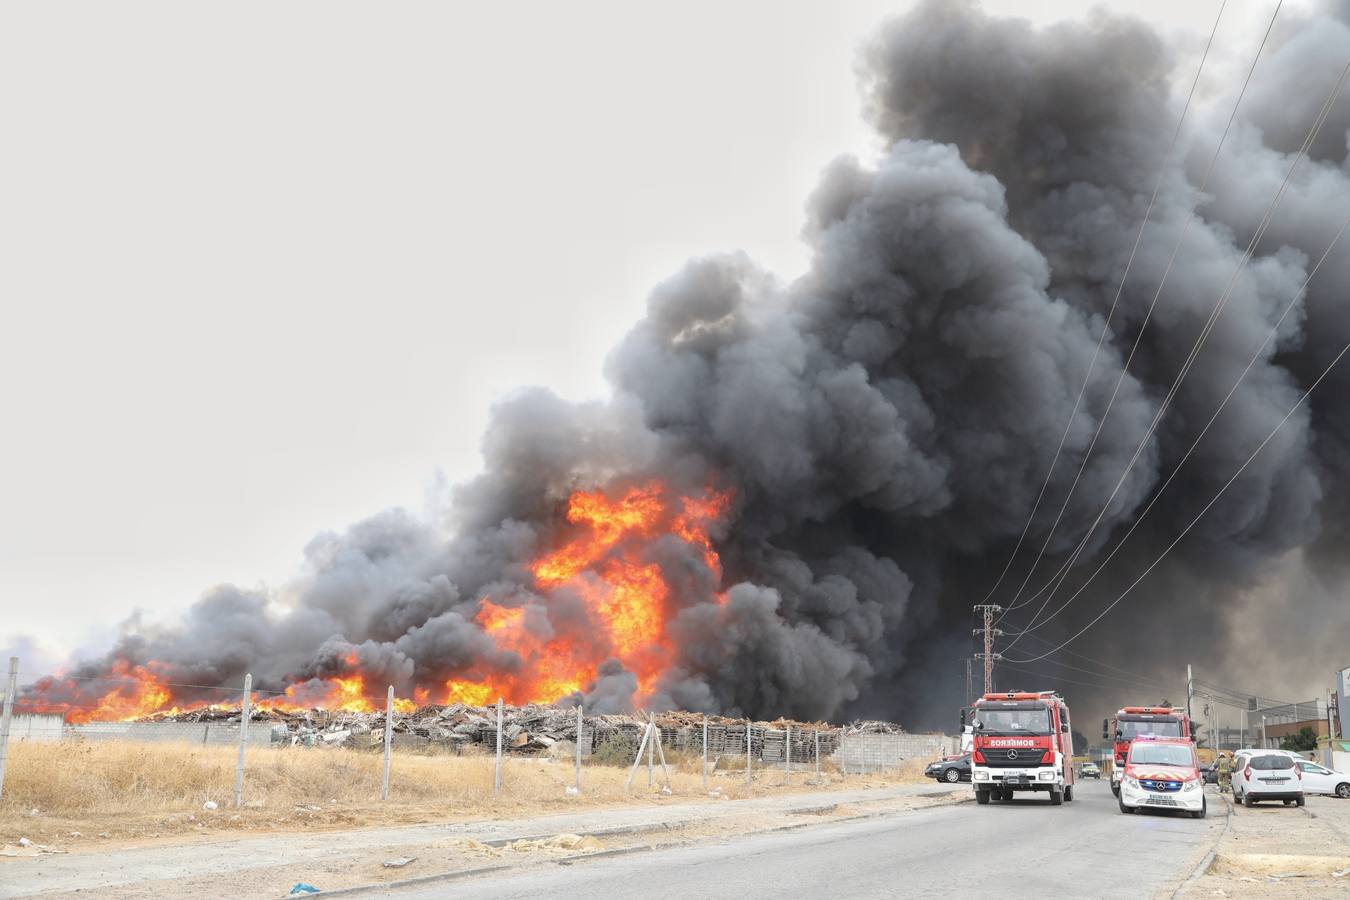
{"points": [[266, 266]]}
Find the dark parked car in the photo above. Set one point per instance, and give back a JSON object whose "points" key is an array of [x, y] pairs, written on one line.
{"points": [[951, 769], [1211, 773]]}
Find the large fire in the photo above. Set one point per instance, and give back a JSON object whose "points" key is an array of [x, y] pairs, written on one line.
{"points": [[138, 691], [627, 596], [602, 560]]}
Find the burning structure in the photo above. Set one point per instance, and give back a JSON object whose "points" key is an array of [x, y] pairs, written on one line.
{"points": [[796, 490]]}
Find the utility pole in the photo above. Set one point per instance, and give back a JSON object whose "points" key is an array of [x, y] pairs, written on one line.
{"points": [[6, 715], [990, 632], [1190, 693]]}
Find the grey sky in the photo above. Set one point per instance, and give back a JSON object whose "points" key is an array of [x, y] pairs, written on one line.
{"points": [[266, 266]]}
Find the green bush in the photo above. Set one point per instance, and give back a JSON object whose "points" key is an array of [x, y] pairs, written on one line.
{"points": [[616, 750]]}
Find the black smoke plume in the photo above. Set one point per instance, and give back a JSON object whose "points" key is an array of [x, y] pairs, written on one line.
{"points": [[886, 420]]}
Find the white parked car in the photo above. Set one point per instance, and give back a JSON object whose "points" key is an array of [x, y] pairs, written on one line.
{"points": [[1268, 775], [1321, 780]]}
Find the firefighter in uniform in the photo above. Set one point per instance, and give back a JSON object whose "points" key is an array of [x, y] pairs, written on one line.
{"points": [[1225, 764]]}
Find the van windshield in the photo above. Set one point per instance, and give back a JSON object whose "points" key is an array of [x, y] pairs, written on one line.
{"points": [[1145, 753], [1034, 720]]}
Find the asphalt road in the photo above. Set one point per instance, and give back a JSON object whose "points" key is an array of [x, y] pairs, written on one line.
{"points": [[1025, 848]]}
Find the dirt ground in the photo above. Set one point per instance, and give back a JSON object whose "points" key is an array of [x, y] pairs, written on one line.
{"points": [[1273, 850], [93, 797]]}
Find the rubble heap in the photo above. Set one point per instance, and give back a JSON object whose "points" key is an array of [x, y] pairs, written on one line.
{"points": [[525, 729]]}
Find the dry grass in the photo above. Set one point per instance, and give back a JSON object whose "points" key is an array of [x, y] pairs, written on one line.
{"points": [[140, 790]]}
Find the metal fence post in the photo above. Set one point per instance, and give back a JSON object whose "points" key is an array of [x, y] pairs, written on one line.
{"points": [[388, 740], [580, 726], [705, 753], [244, 718], [6, 716], [817, 734], [497, 782], [651, 752], [749, 779], [637, 760], [787, 749], [656, 739]]}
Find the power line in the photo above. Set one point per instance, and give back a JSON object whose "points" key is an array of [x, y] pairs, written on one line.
{"points": [[1245, 695], [1133, 684], [1185, 531], [1208, 328], [1274, 333], [1106, 326], [1060, 678], [1125, 368]]}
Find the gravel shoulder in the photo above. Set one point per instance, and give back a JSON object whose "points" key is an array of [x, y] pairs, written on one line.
{"points": [[1273, 850]]}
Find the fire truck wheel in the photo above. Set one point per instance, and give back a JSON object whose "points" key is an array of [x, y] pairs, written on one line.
{"points": [[982, 797], [1068, 794], [1200, 813], [1128, 810], [1056, 797]]}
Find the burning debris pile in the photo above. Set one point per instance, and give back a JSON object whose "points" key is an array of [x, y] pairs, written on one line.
{"points": [[532, 728]]}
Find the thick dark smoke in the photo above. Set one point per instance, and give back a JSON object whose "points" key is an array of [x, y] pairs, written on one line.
{"points": [[886, 421]]}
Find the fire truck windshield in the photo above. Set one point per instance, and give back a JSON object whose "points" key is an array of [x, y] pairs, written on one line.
{"points": [[1032, 720], [1131, 729]]}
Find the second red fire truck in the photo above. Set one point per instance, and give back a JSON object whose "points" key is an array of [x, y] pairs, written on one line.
{"points": [[1131, 722], [1021, 741]]}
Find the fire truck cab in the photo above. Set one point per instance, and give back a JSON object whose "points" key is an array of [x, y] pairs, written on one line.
{"points": [[1131, 722], [1021, 742]]}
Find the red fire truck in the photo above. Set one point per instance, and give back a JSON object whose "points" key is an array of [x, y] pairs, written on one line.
{"points": [[1021, 742], [1131, 722]]}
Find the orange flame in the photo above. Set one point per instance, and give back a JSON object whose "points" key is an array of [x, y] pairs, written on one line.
{"points": [[603, 562], [627, 595]]}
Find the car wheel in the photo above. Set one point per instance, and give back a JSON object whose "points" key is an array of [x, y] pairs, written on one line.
{"points": [[1299, 802], [1056, 797], [1201, 812], [952, 776], [1343, 790], [1247, 801], [1068, 794], [1125, 809], [982, 797], [1115, 789]]}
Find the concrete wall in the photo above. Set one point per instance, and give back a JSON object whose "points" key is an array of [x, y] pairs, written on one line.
{"points": [[36, 727], [259, 734], [874, 752]]}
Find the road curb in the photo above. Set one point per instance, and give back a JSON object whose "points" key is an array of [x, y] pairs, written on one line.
{"points": [[625, 851], [1203, 867]]}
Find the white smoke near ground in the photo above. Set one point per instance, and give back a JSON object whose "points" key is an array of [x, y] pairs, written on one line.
{"points": [[885, 421]]}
